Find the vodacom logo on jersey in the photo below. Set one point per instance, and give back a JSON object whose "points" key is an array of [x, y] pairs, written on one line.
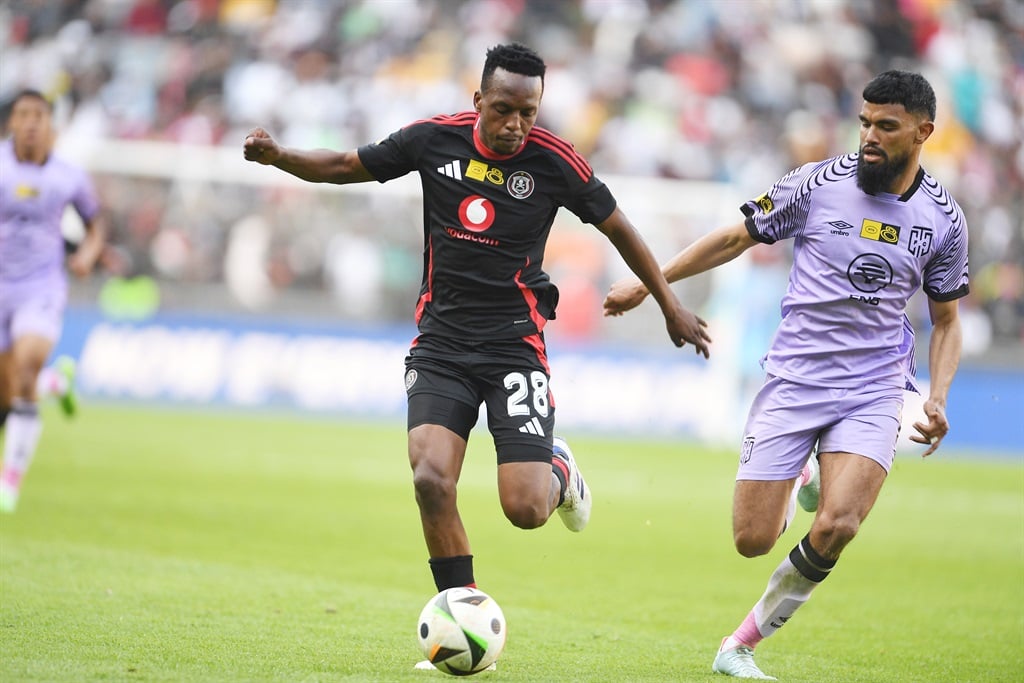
{"points": [[476, 213]]}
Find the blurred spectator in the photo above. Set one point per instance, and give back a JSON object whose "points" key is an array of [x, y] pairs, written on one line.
{"points": [[687, 89]]}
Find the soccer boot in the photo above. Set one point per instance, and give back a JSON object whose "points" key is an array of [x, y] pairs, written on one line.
{"points": [[575, 507], [810, 492], [738, 662], [65, 365]]}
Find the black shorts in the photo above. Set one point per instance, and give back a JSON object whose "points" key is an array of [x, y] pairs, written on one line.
{"points": [[447, 380]]}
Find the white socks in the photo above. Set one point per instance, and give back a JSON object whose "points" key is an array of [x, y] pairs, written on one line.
{"points": [[21, 435]]}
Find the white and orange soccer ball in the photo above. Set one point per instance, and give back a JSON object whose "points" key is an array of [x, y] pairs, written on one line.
{"points": [[462, 631]]}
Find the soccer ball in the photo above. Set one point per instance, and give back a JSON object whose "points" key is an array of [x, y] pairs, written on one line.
{"points": [[462, 631]]}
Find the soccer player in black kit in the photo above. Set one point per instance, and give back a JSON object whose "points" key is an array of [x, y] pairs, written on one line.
{"points": [[492, 183]]}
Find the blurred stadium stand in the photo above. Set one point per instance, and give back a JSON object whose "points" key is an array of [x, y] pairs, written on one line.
{"points": [[684, 107], [734, 93]]}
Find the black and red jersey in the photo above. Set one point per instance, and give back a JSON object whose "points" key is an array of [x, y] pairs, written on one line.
{"points": [[486, 222]]}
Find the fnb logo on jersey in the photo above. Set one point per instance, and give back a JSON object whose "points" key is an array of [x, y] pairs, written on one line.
{"points": [[879, 231]]}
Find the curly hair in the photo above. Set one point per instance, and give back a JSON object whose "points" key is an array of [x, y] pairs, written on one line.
{"points": [[514, 58], [910, 89]]}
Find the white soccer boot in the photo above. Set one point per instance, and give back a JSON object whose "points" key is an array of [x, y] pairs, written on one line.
{"points": [[575, 508]]}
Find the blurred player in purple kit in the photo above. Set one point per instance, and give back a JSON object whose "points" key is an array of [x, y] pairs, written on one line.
{"points": [[492, 184], [869, 230], [35, 188]]}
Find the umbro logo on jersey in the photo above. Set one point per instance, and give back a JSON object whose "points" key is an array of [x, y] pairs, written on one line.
{"points": [[453, 169], [532, 427], [840, 227]]}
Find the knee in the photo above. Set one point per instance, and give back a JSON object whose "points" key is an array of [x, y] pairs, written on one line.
{"points": [[837, 530], [433, 490], [526, 514], [750, 543]]}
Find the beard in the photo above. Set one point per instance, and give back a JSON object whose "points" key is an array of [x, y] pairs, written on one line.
{"points": [[879, 177]]}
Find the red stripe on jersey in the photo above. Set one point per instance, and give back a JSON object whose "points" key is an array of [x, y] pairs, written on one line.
{"points": [[427, 295], [466, 118], [537, 343], [564, 149], [531, 301]]}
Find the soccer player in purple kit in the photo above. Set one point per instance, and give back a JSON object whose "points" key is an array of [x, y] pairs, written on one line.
{"points": [[869, 230], [36, 187], [492, 183]]}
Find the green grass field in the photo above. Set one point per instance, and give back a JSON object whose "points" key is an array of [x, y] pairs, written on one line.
{"points": [[186, 546]]}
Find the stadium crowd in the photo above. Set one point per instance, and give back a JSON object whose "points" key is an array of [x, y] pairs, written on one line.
{"points": [[731, 91]]}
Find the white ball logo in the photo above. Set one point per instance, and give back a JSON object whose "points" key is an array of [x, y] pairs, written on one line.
{"points": [[476, 213]]}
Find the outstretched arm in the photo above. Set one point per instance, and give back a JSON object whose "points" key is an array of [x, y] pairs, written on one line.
{"points": [[316, 166], [683, 326], [83, 259], [713, 249], [943, 360]]}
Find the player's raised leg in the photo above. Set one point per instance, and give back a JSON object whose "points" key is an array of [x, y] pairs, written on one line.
{"points": [[809, 486], [58, 380]]}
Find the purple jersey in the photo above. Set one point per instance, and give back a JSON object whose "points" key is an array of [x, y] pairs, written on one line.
{"points": [[32, 203], [857, 259]]}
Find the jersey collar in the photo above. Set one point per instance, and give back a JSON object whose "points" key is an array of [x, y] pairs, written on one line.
{"points": [[905, 197], [488, 153]]}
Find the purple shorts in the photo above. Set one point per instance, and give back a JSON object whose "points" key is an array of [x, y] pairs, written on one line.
{"points": [[787, 419], [39, 311]]}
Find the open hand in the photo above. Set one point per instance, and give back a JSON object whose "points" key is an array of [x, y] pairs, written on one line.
{"points": [[932, 432], [690, 328]]}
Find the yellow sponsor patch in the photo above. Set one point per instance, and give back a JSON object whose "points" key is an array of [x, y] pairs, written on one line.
{"points": [[477, 170], [495, 176], [879, 231], [765, 202], [26, 192], [890, 233], [870, 229]]}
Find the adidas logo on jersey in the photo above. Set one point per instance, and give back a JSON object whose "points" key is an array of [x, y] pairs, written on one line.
{"points": [[532, 427], [453, 169]]}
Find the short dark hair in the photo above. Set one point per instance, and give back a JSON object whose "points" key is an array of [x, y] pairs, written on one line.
{"points": [[514, 58], [31, 94], [910, 89], [7, 105]]}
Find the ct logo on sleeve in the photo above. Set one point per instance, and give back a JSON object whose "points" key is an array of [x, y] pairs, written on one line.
{"points": [[920, 240]]}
